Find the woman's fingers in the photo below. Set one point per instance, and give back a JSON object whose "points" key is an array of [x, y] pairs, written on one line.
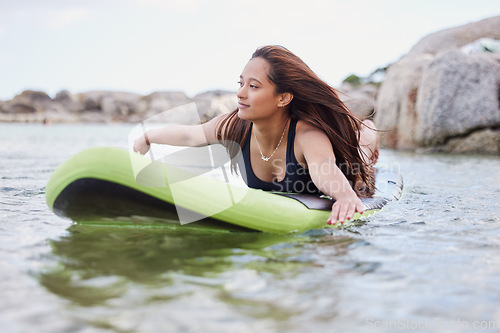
{"points": [[350, 212], [342, 211], [360, 208], [140, 146], [333, 215]]}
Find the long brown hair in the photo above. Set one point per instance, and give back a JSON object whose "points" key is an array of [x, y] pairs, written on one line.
{"points": [[314, 102]]}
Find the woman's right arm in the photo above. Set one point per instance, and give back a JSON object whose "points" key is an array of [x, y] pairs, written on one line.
{"points": [[179, 135]]}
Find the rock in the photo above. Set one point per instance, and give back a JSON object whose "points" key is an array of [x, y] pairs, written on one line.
{"points": [[457, 94], [437, 94], [482, 45], [29, 106], [97, 106], [213, 103], [28, 102], [161, 101], [395, 110], [457, 36], [359, 100], [68, 102], [485, 141], [165, 106], [115, 106]]}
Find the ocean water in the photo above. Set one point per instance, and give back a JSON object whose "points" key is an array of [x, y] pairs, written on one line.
{"points": [[428, 262]]}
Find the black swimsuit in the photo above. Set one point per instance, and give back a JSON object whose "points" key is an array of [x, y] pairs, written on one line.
{"points": [[297, 179]]}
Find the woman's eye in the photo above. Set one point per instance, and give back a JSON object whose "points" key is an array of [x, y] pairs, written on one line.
{"points": [[240, 83], [253, 86]]}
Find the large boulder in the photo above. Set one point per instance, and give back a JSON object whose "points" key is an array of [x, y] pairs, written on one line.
{"points": [[108, 105], [68, 102], [28, 101], [165, 107], [438, 96], [161, 101], [397, 97], [457, 95], [29, 106], [360, 100], [457, 36], [213, 103]]}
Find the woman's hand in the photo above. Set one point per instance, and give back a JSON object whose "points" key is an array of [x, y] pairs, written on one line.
{"points": [[344, 208], [141, 146]]}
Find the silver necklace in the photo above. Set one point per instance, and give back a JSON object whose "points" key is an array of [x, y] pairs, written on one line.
{"points": [[262, 155]]}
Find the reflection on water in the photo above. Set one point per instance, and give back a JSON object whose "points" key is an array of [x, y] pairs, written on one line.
{"points": [[143, 254], [112, 267], [95, 263]]}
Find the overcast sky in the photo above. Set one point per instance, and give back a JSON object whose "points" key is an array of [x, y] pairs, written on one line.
{"points": [[194, 45]]}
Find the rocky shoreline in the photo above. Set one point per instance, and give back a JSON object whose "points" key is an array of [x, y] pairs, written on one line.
{"points": [[108, 106], [442, 96], [112, 106]]}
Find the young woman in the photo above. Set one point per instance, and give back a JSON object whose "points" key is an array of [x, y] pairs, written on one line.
{"points": [[295, 134]]}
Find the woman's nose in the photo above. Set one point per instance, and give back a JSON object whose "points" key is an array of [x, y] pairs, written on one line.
{"points": [[241, 93]]}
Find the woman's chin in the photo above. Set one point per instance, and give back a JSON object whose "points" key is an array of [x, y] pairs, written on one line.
{"points": [[243, 114]]}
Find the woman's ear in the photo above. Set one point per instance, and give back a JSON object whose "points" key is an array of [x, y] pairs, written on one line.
{"points": [[285, 99]]}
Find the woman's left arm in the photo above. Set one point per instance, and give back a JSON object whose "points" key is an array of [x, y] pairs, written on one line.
{"points": [[326, 175]]}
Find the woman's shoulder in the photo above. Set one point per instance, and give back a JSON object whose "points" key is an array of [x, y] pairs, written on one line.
{"points": [[310, 141], [304, 128], [308, 135]]}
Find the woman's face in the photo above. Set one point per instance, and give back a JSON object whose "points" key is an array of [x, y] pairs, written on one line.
{"points": [[257, 98]]}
